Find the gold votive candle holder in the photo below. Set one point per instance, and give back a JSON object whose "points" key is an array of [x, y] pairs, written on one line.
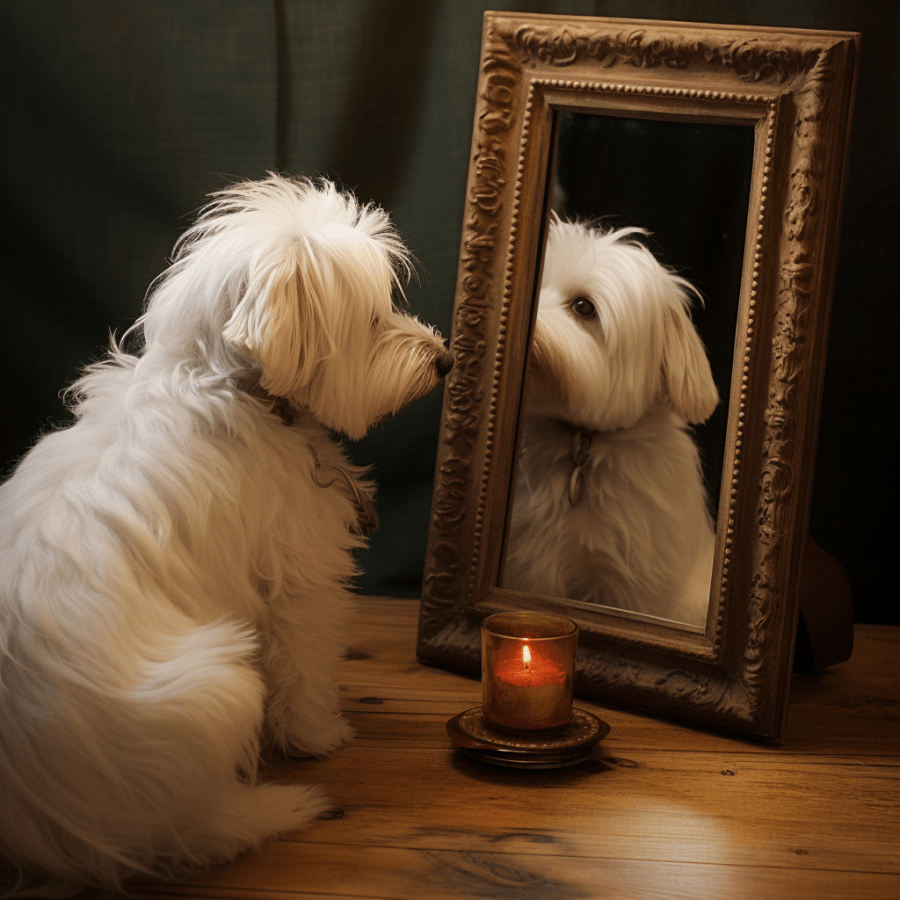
{"points": [[527, 661]]}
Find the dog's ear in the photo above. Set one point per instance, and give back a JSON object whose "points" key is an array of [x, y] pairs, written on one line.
{"points": [[279, 321], [686, 373]]}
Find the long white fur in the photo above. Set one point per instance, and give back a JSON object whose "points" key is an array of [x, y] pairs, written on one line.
{"points": [[173, 577], [633, 376]]}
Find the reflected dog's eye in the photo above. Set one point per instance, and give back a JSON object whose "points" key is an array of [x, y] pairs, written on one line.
{"points": [[583, 307]]}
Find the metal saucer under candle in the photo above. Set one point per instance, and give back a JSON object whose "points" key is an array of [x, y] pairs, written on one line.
{"points": [[555, 750]]}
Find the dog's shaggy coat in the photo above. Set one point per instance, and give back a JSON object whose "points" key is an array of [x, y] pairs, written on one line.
{"points": [[175, 566], [609, 505]]}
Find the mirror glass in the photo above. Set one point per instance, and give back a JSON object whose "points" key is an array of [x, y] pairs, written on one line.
{"points": [[621, 436]]}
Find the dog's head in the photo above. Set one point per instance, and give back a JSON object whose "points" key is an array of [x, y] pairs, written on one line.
{"points": [[295, 280], [613, 336]]}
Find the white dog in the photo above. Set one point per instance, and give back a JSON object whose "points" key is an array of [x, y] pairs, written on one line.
{"points": [[609, 504], [176, 565]]}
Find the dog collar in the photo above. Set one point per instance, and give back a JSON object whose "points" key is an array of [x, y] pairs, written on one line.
{"points": [[278, 406], [366, 515], [579, 453]]}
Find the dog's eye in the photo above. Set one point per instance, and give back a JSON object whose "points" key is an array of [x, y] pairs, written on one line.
{"points": [[583, 307]]}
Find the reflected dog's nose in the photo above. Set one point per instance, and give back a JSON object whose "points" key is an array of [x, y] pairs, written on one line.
{"points": [[444, 363]]}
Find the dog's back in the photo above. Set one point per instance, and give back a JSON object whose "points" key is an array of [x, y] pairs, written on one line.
{"points": [[129, 705]]}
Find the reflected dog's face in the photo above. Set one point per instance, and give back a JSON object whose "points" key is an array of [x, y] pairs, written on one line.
{"points": [[613, 337]]}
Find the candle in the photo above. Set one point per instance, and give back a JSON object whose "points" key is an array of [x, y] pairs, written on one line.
{"points": [[526, 670]]}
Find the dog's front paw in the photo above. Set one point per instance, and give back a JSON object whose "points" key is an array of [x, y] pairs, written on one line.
{"points": [[305, 736], [341, 733]]}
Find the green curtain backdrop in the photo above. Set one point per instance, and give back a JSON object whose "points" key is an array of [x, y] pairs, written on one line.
{"points": [[119, 117]]}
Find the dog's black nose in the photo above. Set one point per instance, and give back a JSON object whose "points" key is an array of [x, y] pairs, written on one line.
{"points": [[444, 363]]}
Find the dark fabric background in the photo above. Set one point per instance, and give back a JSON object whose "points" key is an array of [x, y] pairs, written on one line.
{"points": [[119, 118]]}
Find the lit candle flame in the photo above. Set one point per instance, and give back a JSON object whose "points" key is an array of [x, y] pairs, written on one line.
{"points": [[526, 656]]}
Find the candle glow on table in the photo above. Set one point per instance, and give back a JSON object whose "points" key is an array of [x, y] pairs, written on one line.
{"points": [[526, 671]]}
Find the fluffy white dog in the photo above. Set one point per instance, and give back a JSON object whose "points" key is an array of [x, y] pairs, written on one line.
{"points": [[176, 565], [609, 505]]}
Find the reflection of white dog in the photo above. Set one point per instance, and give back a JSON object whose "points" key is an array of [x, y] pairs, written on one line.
{"points": [[609, 505], [176, 565]]}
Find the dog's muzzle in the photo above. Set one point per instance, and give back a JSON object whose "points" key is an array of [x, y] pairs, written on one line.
{"points": [[444, 363]]}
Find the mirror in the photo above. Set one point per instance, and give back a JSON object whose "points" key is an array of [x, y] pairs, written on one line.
{"points": [[727, 145], [632, 526]]}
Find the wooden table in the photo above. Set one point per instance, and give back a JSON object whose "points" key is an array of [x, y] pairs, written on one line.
{"points": [[664, 811]]}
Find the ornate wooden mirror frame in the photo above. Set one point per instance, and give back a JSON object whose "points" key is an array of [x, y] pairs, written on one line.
{"points": [[795, 89]]}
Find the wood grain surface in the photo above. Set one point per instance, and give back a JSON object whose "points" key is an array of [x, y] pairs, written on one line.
{"points": [[661, 811]]}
